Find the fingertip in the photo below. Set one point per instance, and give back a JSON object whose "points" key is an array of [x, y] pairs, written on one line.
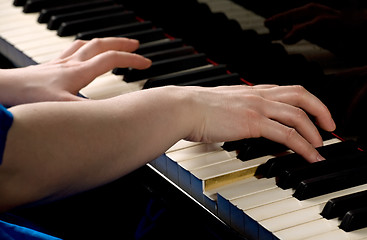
{"points": [[319, 158], [314, 157], [133, 45], [141, 62], [329, 125], [332, 125], [145, 63], [134, 41]]}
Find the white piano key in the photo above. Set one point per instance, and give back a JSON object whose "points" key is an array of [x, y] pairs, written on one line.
{"points": [[37, 40], [262, 215], [293, 204], [247, 188], [18, 21], [292, 219], [17, 36], [221, 174], [47, 49], [262, 198], [226, 170], [114, 87], [308, 229], [207, 160], [181, 145], [339, 234], [47, 57], [238, 207], [40, 35], [195, 151], [301, 217]]}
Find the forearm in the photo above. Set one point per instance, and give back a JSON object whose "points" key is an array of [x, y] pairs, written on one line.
{"points": [[57, 149], [8, 87]]}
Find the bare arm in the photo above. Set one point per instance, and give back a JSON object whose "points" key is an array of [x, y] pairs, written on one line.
{"points": [[56, 149]]}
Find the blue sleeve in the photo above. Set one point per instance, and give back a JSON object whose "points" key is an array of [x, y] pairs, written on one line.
{"points": [[6, 120], [10, 231]]}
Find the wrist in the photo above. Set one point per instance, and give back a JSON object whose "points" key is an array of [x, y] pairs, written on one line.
{"points": [[190, 111], [7, 87]]}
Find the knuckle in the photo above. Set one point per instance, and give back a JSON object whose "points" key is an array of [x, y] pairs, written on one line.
{"points": [[299, 91], [299, 114], [312, 6], [111, 54], [79, 42], [96, 42], [290, 135]]}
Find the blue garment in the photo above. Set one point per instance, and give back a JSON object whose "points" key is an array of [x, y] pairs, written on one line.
{"points": [[6, 120], [10, 231]]}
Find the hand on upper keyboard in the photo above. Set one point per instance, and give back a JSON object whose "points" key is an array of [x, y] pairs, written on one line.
{"points": [[62, 78], [273, 112], [340, 31], [311, 20]]}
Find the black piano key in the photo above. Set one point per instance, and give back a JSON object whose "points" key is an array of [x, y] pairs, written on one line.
{"points": [[159, 46], [274, 166], [163, 67], [170, 53], [73, 27], [254, 147], [47, 13], [354, 220], [290, 178], [146, 35], [32, 6], [57, 20], [338, 207], [19, 3], [186, 76], [115, 30], [331, 183]]}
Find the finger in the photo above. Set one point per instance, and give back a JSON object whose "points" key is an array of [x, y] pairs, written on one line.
{"points": [[299, 32], [277, 132], [300, 97], [293, 117], [298, 15], [100, 45], [109, 60], [312, 29], [264, 86], [72, 49]]}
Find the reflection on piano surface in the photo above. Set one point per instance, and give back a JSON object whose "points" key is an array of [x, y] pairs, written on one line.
{"points": [[257, 187]]}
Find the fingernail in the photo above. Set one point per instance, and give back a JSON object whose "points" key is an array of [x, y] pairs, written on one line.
{"points": [[134, 40], [319, 158]]}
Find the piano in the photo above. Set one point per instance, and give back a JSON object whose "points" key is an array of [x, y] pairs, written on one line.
{"points": [[257, 188]]}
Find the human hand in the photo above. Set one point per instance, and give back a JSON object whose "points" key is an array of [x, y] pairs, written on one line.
{"points": [[277, 113], [62, 78], [311, 20]]}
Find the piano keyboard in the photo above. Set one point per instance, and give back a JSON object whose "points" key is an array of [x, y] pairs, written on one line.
{"points": [[240, 192]]}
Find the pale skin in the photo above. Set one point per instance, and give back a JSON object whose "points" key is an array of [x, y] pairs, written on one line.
{"points": [[59, 148]]}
